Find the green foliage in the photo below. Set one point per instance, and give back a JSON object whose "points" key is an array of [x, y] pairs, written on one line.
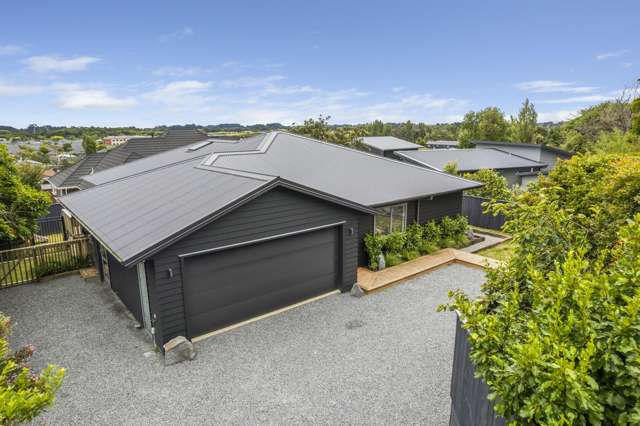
{"points": [[30, 174], [635, 116], [20, 204], [89, 144], [416, 240], [556, 336], [582, 132], [63, 265], [24, 393], [319, 129], [488, 124], [494, 185], [451, 167], [617, 142], [524, 126], [66, 147]]}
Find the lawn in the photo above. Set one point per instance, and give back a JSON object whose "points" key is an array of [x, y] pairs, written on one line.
{"points": [[502, 251]]}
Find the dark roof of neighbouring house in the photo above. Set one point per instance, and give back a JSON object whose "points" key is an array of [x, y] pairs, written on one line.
{"points": [[138, 210], [388, 143], [469, 160], [133, 149], [555, 150]]}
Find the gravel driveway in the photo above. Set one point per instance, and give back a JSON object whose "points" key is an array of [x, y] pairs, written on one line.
{"points": [[381, 359]]}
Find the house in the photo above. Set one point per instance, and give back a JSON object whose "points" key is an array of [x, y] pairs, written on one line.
{"points": [[386, 145], [516, 169], [442, 144], [115, 140], [536, 152], [202, 237], [70, 179]]}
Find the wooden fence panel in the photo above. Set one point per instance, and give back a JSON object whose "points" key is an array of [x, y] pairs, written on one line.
{"points": [[473, 210], [27, 264]]}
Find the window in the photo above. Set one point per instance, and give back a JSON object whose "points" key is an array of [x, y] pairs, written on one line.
{"points": [[392, 219]]}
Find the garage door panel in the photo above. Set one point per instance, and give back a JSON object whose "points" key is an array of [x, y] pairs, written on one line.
{"points": [[231, 314], [229, 286]]}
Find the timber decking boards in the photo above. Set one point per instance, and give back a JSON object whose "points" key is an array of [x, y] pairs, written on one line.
{"points": [[369, 280]]}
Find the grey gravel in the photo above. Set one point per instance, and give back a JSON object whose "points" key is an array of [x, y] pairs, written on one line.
{"points": [[381, 359]]}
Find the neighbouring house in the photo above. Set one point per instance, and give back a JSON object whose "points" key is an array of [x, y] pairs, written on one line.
{"points": [[46, 175], [70, 179], [115, 140], [199, 238], [536, 152], [387, 145], [516, 169], [442, 144]]}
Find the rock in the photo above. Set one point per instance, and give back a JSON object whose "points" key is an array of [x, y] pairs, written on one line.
{"points": [[179, 349], [470, 234], [356, 291], [381, 262]]}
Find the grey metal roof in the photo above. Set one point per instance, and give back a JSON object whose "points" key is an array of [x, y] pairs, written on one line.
{"points": [[135, 215], [184, 153], [561, 152], [72, 175], [443, 143], [469, 160], [388, 143]]}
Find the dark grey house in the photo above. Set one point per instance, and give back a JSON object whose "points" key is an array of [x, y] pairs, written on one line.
{"points": [[512, 167], [548, 155], [386, 145], [202, 237], [71, 178]]}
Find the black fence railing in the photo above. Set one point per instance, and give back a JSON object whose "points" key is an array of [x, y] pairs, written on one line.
{"points": [[473, 210], [27, 264]]}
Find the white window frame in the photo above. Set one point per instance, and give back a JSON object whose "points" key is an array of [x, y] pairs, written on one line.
{"points": [[405, 207]]}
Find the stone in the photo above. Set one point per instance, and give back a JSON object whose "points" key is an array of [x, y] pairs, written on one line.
{"points": [[179, 349], [470, 234], [356, 291], [381, 262]]}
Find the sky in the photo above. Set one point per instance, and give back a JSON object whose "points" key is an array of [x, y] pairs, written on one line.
{"points": [[147, 63]]}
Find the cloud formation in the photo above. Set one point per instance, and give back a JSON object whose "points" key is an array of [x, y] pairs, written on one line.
{"points": [[48, 63], [553, 86], [176, 35], [615, 54], [76, 97], [11, 49]]}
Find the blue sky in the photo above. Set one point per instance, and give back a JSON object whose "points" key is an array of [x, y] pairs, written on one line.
{"points": [[150, 63]]}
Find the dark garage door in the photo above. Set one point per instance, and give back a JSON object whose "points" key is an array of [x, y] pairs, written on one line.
{"points": [[233, 285]]}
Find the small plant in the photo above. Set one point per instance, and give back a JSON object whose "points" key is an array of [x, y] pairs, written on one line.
{"points": [[393, 259], [394, 242], [427, 247], [373, 246], [413, 236], [410, 254], [58, 266], [431, 232]]}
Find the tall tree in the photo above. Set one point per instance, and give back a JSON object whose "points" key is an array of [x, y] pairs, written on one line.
{"points": [[524, 126], [635, 116], [20, 205], [89, 144], [488, 124]]}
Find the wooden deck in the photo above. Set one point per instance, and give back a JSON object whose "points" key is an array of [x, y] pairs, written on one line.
{"points": [[370, 281]]}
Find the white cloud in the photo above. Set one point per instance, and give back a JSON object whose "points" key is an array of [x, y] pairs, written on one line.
{"points": [[47, 63], [182, 95], [553, 86], [11, 49], [576, 99], [176, 35], [251, 82], [556, 116], [76, 97], [181, 71], [615, 54], [7, 89]]}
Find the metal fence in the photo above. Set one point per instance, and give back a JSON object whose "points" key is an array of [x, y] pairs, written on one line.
{"points": [[469, 396], [473, 210], [28, 264]]}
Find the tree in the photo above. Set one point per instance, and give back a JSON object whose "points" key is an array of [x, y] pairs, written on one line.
{"points": [[487, 124], [378, 128], [66, 147], [582, 131], [24, 393], [451, 167], [494, 185], [30, 174], [524, 127], [555, 335], [319, 129], [635, 116], [89, 144], [20, 204]]}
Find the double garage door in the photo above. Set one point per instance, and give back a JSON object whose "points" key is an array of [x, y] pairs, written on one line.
{"points": [[231, 285]]}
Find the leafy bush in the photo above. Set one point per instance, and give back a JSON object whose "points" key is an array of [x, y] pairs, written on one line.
{"points": [[394, 242], [413, 236], [453, 228], [393, 259], [410, 254], [373, 246], [427, 247], [556, 336], [24, 393], [57, 266], [431, 232], [494, 185]]}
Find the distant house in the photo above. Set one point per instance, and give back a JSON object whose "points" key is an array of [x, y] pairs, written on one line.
{"points": [[115, 140], [386, 145], [541, 153], [70, 179], [205, 236], [442, 144], [516, 169], [47, 174]]}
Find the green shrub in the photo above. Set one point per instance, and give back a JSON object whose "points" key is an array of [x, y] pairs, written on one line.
{"points": [[392, 259], [394, 242], [24, 393], [453, 228], [50, 267], [431, 232], [427, 247], [410, 254], [373, 246], [413, 236]]}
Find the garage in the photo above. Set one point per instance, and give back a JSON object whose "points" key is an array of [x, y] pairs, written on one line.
{"points": [[124, 282], [237, 283]]}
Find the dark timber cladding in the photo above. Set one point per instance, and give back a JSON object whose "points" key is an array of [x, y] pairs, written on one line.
{"points": [[124, 282], [279, 211]]}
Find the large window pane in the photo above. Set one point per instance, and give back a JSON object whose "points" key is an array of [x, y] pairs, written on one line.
{"points": [[398, 218], [392, 219]]}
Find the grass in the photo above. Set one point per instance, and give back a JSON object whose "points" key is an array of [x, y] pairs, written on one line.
{"points": [[502, 251]]}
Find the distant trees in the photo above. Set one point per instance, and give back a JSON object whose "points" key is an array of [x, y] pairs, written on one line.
{"points": [[30, 174], [488, 124], [524, 127], [66, 147], [319, 129], [89, 144]]}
